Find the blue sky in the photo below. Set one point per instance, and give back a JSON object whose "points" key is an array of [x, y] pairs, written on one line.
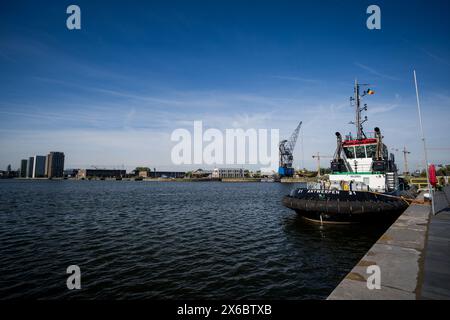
{"points": [[111, 93]]}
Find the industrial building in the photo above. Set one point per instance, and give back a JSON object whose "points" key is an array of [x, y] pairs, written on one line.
{"points": [[167, 174], [70, 173], [226, 173], [160, 174], [100, 173], [200, 173]]}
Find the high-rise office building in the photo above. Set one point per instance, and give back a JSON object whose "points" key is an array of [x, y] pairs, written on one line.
{"points": [[39, 166], [47, 161], [55, 165], [23, 168], [30, 167]]}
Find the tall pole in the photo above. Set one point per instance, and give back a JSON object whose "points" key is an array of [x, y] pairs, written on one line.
{"points": [[358, 112], [424, 144]]}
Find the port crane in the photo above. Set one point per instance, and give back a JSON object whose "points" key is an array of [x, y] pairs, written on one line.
{"points": [[286, 150], [318, 156], [405, 159]]}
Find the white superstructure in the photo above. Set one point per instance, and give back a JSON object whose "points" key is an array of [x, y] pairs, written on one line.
{"points": [[363, 162]]}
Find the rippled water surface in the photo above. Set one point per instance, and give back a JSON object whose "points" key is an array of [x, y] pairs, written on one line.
{"points": [[136, 240]]}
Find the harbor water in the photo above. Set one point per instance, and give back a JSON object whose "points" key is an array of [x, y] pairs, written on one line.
{"points": [[177, 240]]}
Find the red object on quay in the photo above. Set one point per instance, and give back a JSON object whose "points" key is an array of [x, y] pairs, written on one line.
{"points": [[432, 175]]}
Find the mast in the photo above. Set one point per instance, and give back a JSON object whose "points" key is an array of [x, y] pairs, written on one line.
{"points": [[357, 101], [358, 112]]}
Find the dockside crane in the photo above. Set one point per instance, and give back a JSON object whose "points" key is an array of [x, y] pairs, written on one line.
{"points": [[286, 150], [318, 156], [405, 160]]}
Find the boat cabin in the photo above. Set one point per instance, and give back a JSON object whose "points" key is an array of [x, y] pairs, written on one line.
{"points": [[365, 163]]}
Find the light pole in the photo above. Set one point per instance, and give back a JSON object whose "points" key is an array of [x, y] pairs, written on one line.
{"points": [[424, 144]]}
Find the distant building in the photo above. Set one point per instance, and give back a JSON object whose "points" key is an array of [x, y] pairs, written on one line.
{"points": [[55, 165], [30, 167], [38, 167], [143, 173], [47, 161], [23, 168], [100, 173], [160, 174], [71, 173], [167, 174], [7, 174], [200, 173], [228, 173]]}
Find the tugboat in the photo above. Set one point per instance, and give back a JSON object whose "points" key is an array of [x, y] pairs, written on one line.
{"points": [[364, 184]]}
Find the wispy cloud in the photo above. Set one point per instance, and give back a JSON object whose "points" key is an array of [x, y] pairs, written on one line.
{"points": [[435, 57], [382, 108], [104, 103], [295, 78], [375, 72]]}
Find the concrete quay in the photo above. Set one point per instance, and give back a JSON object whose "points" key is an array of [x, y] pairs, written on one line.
{"points": [[436, 275], [413, 256]]}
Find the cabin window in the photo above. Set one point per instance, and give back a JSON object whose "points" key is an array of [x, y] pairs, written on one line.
{"points": [[349, 152], [371, 150], [360, 152]]}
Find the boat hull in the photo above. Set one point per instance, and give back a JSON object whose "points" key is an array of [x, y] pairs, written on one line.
{"points": [[345, 206]]}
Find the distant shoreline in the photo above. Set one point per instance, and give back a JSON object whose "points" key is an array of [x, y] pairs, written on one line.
{"points": [[225, 180]]}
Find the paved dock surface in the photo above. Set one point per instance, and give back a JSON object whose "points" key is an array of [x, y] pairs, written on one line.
{"points": [[413, 256], [436, 279]]}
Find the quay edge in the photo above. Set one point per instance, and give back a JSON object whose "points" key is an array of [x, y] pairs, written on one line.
{"points": [[399, 253]]}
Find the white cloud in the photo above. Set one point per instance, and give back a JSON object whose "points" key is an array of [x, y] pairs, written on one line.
{"points": [[375, 72], [111, 135]]}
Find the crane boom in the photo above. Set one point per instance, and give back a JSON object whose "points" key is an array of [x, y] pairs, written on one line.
{"points": [[286, 149], [293, 139]]}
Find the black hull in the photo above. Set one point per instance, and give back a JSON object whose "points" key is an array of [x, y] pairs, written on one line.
{"points": [[344, 206]]}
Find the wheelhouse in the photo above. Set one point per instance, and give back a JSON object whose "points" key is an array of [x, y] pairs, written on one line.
{"points": [[363, 149]]}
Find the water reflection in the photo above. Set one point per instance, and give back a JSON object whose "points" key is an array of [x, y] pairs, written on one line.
{"points": [[333, 236]]}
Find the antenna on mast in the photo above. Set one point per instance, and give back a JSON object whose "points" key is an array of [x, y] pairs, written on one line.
{"points": [[356, 101]]}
